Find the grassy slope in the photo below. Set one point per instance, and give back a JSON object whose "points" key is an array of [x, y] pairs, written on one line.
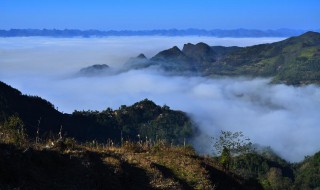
{"points": [[97, 167], [145, 165]]}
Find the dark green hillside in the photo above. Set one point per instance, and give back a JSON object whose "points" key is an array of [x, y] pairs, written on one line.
{"points": [[308, 173], [271, 171], [292, 61], [143, 118], [31, 109], [295, 60]]}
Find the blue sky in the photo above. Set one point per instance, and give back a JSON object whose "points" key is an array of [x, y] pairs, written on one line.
{"points": [[159, 14]]}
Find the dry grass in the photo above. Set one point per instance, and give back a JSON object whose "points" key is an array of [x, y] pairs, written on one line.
{"points": [[130, 166]]}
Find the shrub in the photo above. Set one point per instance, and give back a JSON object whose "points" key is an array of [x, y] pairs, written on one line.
{"points": [[12, 131]]}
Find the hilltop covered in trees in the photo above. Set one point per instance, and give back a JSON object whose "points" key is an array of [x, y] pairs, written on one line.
{"points": [[142, 120]]}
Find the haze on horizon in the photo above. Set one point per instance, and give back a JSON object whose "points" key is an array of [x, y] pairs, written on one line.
{"points": [[159, 14]]}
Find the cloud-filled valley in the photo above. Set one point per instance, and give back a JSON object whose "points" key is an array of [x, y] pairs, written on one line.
{"points": [[280, 116]]}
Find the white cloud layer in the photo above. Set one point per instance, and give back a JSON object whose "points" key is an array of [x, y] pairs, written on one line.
{"points": [[283, 117]]}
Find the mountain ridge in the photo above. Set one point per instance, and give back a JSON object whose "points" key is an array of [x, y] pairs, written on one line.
{"points": [[158, 32], [293, 61]]}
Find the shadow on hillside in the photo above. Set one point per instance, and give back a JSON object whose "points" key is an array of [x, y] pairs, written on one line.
{"points": [[167, 173], [134, 177], [45, 169], [225, 180]]}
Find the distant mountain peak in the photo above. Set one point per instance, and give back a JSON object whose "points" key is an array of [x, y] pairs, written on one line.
{"points": [[200, 45], [94, 69], [307, 39], [311, 33], [199, 52], [141, 56], [171, 53], [139, 62], [175, 48]]}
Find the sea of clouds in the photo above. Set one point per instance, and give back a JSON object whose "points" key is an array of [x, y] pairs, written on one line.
{"points": [[283, 117]]}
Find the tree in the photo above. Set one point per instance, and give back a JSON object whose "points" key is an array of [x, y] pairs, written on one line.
{"points": [[235, 142], [225, 158], [229, 144], [276, 180]]}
